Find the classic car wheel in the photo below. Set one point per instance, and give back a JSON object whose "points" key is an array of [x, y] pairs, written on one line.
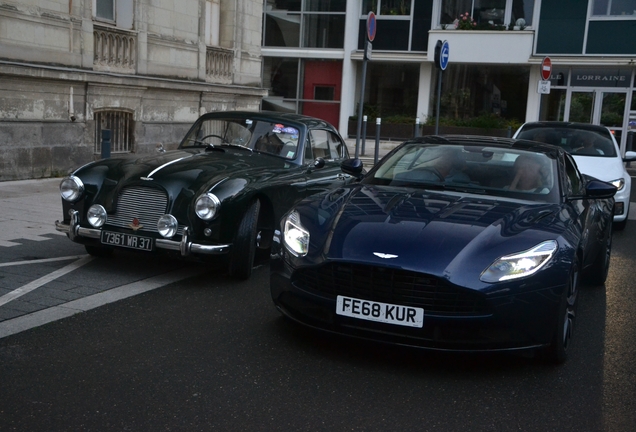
{"points": [[557, 352], [98, 251], [597, 273], [244, 246]]}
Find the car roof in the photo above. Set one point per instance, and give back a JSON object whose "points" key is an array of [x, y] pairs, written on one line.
{"points": [[274, 116], [567, 125], [520, 144]]}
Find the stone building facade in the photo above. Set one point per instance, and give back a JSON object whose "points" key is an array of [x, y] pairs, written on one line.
{"points": [[144, 69]]}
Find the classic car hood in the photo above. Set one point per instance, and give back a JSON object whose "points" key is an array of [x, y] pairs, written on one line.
{"points": [[192, 169], [435, 232]]}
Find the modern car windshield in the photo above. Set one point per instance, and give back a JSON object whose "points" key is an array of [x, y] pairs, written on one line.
{"points": [[578, 142], [273, 138], [497, 171]]}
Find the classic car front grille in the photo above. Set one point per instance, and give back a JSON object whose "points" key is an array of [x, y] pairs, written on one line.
{"points": [[145, 204], [435, 295]]}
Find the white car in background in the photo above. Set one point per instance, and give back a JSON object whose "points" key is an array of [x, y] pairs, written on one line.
{"points": [[596, 153]]}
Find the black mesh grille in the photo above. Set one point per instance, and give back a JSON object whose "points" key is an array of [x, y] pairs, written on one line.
{"points": [[435, 295]]}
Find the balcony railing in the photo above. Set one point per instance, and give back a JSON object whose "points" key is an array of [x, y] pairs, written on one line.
{"points": [[219, 64], [114, 49]]}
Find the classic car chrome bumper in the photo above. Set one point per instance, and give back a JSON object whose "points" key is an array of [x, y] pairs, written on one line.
{"points": [[185, 246]]}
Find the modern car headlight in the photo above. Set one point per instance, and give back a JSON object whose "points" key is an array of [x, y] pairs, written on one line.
{"points": [[167, 225], [71, 188], [96, 215], [619, 183], [520, 265], [206, 206], [295, 236]]}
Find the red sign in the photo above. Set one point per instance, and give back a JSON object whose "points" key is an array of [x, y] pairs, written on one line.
{"points": [[371, 26], [546, 68]]}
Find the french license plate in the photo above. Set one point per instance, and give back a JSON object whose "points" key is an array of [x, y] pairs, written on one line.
{"points": [[382, 312], [127, 240]]}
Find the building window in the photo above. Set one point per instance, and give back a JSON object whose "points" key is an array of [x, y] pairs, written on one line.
{"points": [[488, 12], [614, 8], [307, 24], [387, 7], [212, 22], [117, 12], [105, 10], [122, 129]]}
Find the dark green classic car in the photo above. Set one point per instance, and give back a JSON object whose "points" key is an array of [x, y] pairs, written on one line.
{"points": [[222, 192]]}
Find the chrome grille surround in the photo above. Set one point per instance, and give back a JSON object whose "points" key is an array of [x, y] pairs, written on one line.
{"points": [[144, 203], [437, 296]]}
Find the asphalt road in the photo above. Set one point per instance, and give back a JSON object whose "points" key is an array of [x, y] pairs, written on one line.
{"points": [[207, 353]]}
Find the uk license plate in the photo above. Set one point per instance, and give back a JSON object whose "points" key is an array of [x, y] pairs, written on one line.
{"points": [[127, 240], [381, 312]]}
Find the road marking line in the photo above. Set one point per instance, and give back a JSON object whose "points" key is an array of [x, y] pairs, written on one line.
{"points": [[36, 319], [25, 289], [40, 261]]}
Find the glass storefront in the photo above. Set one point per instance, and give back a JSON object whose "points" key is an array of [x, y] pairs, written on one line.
{"points": [[305, 86], [471, 91], [590, 95]]}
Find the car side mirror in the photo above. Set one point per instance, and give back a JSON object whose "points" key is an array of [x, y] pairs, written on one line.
{"points": [[599, 189], [352, 167], [630, 156]]}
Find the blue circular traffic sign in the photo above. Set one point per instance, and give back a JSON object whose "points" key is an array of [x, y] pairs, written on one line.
{"points": [[371, 26], [444, 56]]}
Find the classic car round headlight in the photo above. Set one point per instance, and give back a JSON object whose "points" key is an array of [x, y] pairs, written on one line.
{"points": [[206, 206], [295, 236], [71, 188], [167, 225], [96, 215]]}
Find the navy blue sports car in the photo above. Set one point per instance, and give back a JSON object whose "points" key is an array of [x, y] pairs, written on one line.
{"points": [[450, 243]]}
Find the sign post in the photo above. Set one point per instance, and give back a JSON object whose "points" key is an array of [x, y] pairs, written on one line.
{"points": [[546, 72], [442, 55], [371, 30]]}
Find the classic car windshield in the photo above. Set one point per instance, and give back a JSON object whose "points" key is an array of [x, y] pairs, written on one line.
{"points": [[578, 142], [471, 168], [261, 136]]}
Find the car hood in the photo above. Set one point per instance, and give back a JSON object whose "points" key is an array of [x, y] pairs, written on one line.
{"points": [[451, 235], [192, 169], [603, 168]]}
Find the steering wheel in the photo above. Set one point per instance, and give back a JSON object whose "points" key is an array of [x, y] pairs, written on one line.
{"points": [[200, 140]]}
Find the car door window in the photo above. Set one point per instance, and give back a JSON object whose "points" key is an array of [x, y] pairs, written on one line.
{"points": [[320, 144], [574, 184]]}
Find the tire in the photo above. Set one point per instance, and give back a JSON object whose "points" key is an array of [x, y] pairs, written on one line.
{"points": [[597, 272], [244, 246], [557, 351], [98, 251]]}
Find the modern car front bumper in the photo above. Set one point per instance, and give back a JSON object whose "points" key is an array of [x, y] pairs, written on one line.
{"points": [[75, 232]]}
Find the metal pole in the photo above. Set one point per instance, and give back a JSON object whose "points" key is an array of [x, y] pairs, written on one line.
{"points": [[439, 95], [377, 140], [416, 133], [361, 101], [364, 132]]}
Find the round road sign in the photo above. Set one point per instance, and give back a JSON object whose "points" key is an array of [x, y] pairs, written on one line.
{"points": [[546, 68], [371, 26], [444, 55]]}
